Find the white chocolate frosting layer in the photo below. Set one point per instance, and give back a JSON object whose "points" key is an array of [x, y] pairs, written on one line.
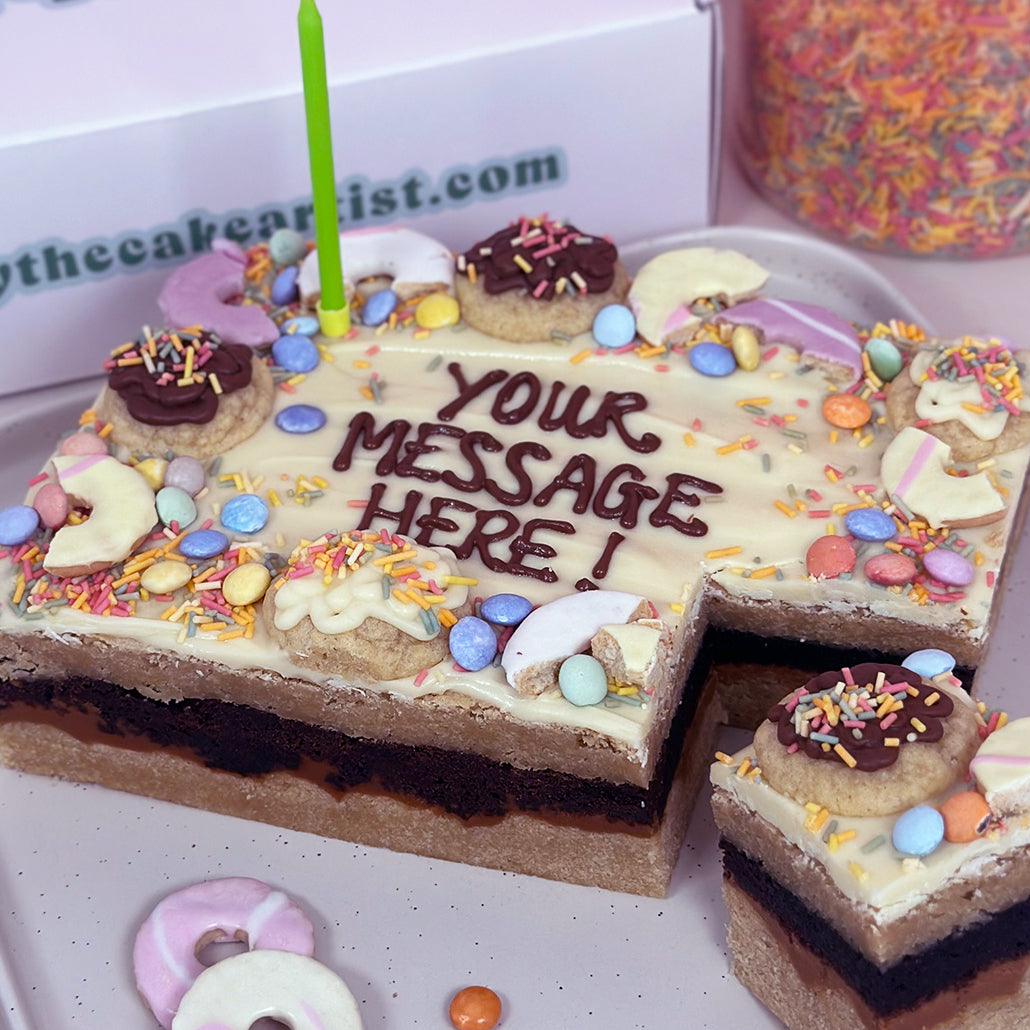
{"points": [[865, 867], [540, 469]]}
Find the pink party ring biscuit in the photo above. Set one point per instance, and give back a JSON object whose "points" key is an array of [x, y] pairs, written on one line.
{"points": [[198, 293], [237, 908], [292, 989], [819, 336], [668, 285]]}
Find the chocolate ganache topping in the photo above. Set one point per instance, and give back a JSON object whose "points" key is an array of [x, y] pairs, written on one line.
{"points": [[862, 715], [177, 376], [545, 258]]}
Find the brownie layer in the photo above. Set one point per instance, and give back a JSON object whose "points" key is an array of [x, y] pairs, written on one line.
{"points": [[249, 742], [807, 993], [944, 965], [447, 720]]}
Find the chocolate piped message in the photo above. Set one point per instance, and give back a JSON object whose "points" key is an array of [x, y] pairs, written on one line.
{"points": [[512, 476]]}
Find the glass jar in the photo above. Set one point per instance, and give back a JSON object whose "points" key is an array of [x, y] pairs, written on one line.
{"points": [[896, 125]]}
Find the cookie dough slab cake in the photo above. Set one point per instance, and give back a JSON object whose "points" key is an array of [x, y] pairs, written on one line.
{"points": [[322, 626], [883, 882]]}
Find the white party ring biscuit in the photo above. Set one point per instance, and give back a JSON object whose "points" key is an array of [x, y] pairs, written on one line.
{"points": [[665, 288], [914, 471], [553, 632], [296, 990], [123, 513], [415, 262]]}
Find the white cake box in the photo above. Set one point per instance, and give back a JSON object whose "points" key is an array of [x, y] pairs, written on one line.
{"points": [[146, 128]]}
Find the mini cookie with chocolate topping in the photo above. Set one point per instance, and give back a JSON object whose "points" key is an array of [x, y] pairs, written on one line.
{"points": [[869, 740], [537, 279], [185, 391]]}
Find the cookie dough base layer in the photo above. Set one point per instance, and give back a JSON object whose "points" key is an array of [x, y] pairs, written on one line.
{"points": [[951, 961], [633, 862], [806, 993]]}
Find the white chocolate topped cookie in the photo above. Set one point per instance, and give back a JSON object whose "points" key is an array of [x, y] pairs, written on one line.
{"points": [[375, 605]]}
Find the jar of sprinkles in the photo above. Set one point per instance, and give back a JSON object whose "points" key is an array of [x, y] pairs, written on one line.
{"points": [[895, 125]]}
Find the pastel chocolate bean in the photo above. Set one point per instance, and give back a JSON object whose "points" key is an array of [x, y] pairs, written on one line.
{"points": [[884, 358], [245, 513], [890, 569], [473, 643], [246, 584], [966, 816], [164, 577], [52, 504], [830, 556], [846, 410], [17, 524], [505, 609], [286, 246], [304, 325], [948, 567], [614, 326], [82, 443], [582, 680], [203, 543], [284, 286], [378, 307], [300, 418], [919, 831], [929, 662], [295, 353], [745, 348], [712, 359], [870, 524], [175, 507], [187, 473]]}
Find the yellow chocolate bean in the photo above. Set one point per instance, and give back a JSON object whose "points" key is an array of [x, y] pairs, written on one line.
{"points": [[246, 584], [165, 576], [436, 311], [744, 344]]}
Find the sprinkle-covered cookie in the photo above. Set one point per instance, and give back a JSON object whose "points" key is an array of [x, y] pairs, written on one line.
{"points": [[868, 740]]}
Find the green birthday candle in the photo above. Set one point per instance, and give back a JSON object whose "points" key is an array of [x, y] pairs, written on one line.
{"points": [[333, 313]]}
